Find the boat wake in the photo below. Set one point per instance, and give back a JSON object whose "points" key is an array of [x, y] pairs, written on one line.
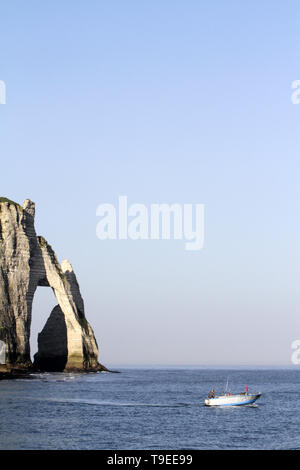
{"points": [[92, 402]]}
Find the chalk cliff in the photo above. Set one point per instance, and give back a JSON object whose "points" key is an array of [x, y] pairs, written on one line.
{"points": [[67, 341]]}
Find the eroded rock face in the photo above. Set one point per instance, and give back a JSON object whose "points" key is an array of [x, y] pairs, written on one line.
{"points": [[67, 341], [53, 343]]}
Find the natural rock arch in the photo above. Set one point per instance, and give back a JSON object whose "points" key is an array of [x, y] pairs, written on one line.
{"points": [[67, 341]]}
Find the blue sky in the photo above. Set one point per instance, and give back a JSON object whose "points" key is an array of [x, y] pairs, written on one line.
{"points": [[172, 101]]}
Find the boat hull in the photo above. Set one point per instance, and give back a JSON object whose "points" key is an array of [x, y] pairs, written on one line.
{"points": [[232, 400]]}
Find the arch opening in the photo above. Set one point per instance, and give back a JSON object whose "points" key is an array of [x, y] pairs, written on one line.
{"points": [[44, 301]]}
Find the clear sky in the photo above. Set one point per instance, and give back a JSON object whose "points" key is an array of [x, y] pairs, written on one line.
{"points": [[173, 101]]}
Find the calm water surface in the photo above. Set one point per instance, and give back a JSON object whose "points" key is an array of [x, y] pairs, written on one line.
{"points": [[149, 409]]}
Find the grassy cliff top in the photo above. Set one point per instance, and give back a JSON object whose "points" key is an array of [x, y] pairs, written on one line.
{"points": [[5, 199]]}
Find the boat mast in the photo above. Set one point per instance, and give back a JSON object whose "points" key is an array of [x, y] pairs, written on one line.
{"points": [[226, 389]]}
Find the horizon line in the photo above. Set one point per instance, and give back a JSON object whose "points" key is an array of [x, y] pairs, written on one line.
{"points": [[201, 366]]}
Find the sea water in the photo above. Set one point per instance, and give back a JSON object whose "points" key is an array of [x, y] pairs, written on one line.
{"points": [[150, 409]]}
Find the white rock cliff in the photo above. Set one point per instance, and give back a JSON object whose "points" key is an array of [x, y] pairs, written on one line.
{"points": [[67, 341]]}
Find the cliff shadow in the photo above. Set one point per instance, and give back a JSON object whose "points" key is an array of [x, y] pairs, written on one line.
{"points": [[52, 355]]}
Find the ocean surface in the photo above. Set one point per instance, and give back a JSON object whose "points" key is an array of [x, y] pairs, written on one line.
{"points": [[149, 409]]}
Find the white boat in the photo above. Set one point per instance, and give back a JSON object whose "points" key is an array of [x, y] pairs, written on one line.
{"points": [[227, 399]]}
